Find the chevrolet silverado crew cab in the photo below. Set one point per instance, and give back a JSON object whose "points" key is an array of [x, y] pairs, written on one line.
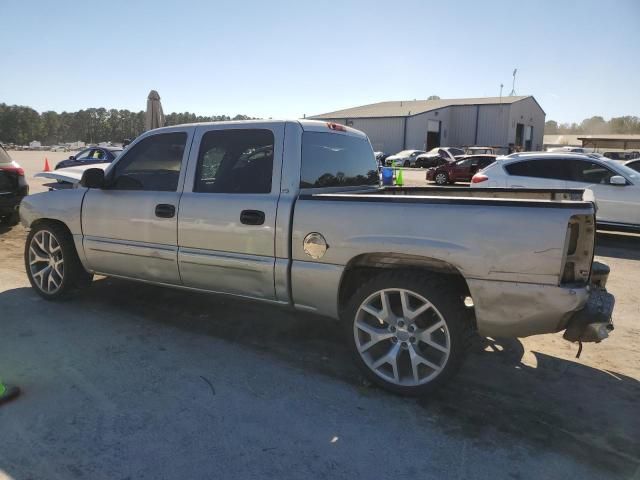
{"points": [[292, 213]]}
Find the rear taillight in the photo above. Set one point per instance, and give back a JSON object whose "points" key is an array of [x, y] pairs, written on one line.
{"points": [[479, 178], [17, 170], [578, 250]]}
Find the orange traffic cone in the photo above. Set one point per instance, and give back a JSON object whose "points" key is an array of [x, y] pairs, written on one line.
{"points": [[47, 168]]}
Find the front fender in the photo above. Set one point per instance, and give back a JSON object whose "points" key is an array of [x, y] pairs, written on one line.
{"points": [[62, 205]]}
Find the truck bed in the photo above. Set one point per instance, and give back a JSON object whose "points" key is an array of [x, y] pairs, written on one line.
{"points": [[464, 195]]}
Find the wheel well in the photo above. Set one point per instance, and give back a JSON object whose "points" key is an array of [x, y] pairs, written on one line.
{"points": [[364, 267], [49, 221]]}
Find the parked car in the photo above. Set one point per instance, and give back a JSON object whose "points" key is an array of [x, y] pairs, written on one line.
{"points": [[437, 156], [480, 151], [90, 156], [620, 156], [13, 188], [633, 164], [405, 158], [380, 158], [59, 148], [308, 227], [616, 187], [461, 170]]}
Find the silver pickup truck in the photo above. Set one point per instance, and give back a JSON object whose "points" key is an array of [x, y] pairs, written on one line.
{"points": [[292, 213]]}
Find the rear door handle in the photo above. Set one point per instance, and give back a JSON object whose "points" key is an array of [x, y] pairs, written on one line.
{"points": [[252, 217], [164, 210]]}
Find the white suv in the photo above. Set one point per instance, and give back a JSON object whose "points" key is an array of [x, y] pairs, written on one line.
{"points": [[616, 188]]}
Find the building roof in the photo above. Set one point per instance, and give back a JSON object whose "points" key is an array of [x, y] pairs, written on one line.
{"points": [[610, 141], [406, 108]]}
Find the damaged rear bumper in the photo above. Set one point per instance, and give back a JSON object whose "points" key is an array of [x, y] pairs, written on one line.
{"points": [[509, 309], [593, 322]]}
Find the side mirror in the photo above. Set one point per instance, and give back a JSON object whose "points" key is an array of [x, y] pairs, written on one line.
{"points": [[72, 157], [617, 180], [92, 178]]}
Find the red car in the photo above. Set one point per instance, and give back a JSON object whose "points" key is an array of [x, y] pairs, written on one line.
{"points": [[461, 170]]}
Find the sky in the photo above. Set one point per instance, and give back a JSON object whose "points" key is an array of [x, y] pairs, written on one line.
{"points": [[286, 59]]}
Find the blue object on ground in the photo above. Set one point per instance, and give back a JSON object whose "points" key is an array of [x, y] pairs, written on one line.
{"points": [[387, 176]]}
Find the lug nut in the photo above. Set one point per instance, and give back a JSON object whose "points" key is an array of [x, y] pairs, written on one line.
{"points": [[405, 345], [400, 323], [394, 340], [412, 328], [392, 329]]}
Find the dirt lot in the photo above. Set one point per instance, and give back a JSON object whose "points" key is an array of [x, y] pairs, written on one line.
{"points": [[134, 381]]}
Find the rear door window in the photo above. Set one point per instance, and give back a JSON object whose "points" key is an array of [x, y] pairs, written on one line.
{"points": [[235, 161], [336, 160], [545, 168]]}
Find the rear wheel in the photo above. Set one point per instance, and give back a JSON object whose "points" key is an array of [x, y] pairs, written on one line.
{"points": [[53, 267], [408, 333], [406, 163], [441, 178]]}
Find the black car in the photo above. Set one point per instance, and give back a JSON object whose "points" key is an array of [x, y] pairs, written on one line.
{"points": [[13, 188], [91, 156]]}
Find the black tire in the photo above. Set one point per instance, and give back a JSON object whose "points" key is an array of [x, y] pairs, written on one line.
{"points": [[441, 178], [448, 301], [406, 164], [74, 275]]}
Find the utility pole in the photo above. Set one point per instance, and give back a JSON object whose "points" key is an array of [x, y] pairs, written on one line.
{"points": [[501, 85]]}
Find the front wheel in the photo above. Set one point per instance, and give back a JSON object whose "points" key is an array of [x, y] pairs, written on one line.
{"points": [[408, 332], [53, 267], [441, 178]]}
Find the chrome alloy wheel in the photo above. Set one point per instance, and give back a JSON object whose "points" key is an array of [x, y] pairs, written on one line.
{"points": [[401, 337], [46, 264]]}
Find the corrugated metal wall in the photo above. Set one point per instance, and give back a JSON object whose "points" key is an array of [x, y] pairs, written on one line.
{"points": [[492, 125], [462, 128]]}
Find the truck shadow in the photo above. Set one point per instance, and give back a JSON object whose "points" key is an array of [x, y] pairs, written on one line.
{"points": [[557, 405], [618, 245]]}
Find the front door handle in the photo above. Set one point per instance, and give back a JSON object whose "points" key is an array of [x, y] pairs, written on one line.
{"points": [[252, 217], [164, 210]]}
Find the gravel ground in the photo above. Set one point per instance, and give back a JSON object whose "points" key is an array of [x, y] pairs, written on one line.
{"points": [[134, 381]]}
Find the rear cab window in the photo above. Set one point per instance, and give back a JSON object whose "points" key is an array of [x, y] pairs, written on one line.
{"points": [[337, 160]]}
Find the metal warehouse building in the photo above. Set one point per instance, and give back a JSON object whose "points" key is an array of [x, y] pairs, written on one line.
{"points": [[425, 124]]}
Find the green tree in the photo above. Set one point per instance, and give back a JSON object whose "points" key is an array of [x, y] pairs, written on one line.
{"points": [[551, 127]]}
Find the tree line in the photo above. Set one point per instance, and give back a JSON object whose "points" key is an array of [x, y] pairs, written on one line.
{"points": [[21, 125], [595, 125]]}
